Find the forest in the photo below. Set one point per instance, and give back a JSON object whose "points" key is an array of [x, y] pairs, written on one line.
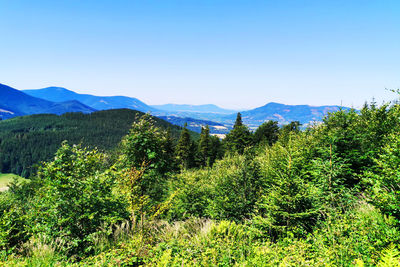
{"points": [[26, 141], [327, 195]]}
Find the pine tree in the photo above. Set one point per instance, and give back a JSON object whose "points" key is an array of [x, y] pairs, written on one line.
{"points": [[169, 151], [205, 146], [266, 133], [217, 149], [239, 138], [183, 151], [238, 121]]}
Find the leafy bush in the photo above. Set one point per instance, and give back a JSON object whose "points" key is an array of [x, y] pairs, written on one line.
{"points": [[75, 198]]}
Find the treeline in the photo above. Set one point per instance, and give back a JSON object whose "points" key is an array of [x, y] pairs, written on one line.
{"points": [[26, 141], [209, 148], [324, 196]]}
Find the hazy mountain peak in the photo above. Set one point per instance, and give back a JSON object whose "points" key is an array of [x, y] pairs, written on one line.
{"points": [[20, 103], [204, 108], [59, 94]]}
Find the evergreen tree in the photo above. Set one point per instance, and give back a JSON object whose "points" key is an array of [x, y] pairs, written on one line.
{"points": [[239, 138], [267, 133], [183, 151], [293, 126], [193, 161], [238, 121], [216, 150], [169, 150], [205, 146]]}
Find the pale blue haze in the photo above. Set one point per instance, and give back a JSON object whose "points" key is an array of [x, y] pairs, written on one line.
{"points": [[236, 54]]}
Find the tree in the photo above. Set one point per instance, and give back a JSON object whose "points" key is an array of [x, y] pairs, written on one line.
{"points": [[217, 149], [75, 198], [293, 126], [383, 181], [236, 187], [183, 149], [266, 133], [291, 201], [144, 147], [239, 137], [144, 143], [169, 151], [238, 121], [205, 147]]}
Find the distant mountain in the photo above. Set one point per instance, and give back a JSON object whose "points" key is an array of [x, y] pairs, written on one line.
{"points": [[115, 102], [58, 94], [6, 113], [209, 108], [196, 116], [196, 125], [284, 113], [16, 103]]}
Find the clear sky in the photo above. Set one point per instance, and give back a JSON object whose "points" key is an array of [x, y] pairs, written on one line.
{"points": [[236, 54]]}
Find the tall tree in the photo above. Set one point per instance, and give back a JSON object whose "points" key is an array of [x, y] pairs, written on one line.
{"points": [[205, 146], [238, 121], [239, 137], [183, 148], [216, 151], [169, 150], [143, 144], [142, 149], [293, 126], [266, 133]]}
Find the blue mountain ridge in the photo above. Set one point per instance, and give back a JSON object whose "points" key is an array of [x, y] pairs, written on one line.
{"points": [[284, 114], [207, 108], [57, 94], [197, 116], [16, 103]]}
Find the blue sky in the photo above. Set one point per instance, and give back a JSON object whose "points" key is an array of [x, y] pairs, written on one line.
{"points": [[236, 54]]}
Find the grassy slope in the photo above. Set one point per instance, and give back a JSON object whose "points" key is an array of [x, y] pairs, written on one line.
{"points": [[7, 178]]}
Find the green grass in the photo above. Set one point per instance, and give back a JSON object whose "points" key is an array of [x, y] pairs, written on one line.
{"points": [[7, 178]]}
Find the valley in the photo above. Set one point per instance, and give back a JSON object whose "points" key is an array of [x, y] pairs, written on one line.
{"points": [[58, 100]]}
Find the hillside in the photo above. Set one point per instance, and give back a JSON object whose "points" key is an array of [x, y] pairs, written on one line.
{"points": [[16, 103], [27, 140], [58, 94]]}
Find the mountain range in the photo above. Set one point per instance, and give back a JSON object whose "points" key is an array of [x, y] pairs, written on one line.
{"points": [[209, 108], [58, 94], [16, 103], [284, 114], [58, 100], [179, 117]]}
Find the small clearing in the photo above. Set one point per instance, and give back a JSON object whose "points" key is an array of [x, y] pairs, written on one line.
{"points": [[7, 178]]}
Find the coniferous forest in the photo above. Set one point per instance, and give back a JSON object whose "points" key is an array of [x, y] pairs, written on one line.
{"points": [[26, 141], [327, 195]]}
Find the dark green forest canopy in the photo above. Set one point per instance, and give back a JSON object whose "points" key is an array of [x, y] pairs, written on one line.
{"points": [[27, 140]]}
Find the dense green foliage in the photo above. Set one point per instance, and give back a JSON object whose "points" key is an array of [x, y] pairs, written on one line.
{"points": [[324, 196], [239, 138], [26, 141]]}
